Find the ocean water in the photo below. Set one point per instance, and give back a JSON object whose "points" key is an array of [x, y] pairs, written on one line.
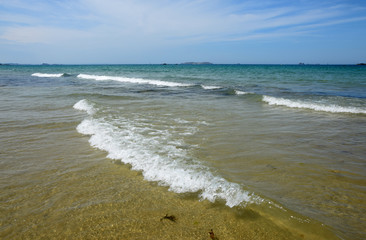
{"points": [[281, 145]]}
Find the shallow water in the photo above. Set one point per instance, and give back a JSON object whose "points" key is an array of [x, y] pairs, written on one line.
{"points": [[248, 151]]}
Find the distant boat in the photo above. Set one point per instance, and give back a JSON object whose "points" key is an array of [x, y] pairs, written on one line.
{"points": [[301, 63]]}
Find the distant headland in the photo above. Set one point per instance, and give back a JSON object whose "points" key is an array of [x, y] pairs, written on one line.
{"points": [[9, 64]]}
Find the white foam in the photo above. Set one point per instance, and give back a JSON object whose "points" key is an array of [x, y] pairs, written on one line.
{"points": [[83, 105], [210, 87], [237, 92], [313, 106], [133, 80], [160, 159], [49, 75]]}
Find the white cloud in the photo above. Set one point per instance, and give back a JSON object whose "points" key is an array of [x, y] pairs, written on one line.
{"points": [[162, 20], [45, 35], [132, 26], [207, 20]]}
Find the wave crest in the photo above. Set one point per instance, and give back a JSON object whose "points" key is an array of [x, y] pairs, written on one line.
{"points": [[133, 80], [84, 105], [313, 106], [237, 92], [48, 75], [207, 87]]}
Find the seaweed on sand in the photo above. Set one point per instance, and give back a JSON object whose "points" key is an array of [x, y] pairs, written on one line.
{"points": [[169, 217]]}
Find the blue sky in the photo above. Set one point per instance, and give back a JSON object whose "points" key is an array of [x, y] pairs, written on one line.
{"points": [[176, 31]]}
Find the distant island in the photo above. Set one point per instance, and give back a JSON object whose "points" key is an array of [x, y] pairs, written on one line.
{"points": [[361, 64], [9, 64], [197, 63]]}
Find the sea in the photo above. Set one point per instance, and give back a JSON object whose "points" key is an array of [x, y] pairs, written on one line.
{"points": [[183, 151]]}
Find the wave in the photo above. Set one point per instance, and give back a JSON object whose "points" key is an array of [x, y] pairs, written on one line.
{"points": [[159, 157], [67, 75], [230, 91], [51, 75], [237, 92], [210, 87], [84, 105], [48, 75], [313, 106], [133, 80]]}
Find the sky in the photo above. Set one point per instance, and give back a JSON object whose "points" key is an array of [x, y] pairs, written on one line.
{"points": [[176, 31]]}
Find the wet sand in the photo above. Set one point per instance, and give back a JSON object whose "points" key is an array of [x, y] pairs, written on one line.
{"points": [[83, 195]]}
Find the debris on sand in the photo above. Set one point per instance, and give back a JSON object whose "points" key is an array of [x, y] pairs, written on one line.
{"points": [[212, 235], [169, 217]]}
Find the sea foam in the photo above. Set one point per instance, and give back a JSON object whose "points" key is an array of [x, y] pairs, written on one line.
{"points": [[206, 87], [133, 80], [159, 158], [313, 106], [49, 75], [237, 92], [83, 105]]}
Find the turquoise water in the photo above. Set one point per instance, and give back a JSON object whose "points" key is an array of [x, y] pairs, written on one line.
{"points": [[287, 141]]}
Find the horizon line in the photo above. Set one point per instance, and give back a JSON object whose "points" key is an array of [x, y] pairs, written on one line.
{"points": [[185, 63]]}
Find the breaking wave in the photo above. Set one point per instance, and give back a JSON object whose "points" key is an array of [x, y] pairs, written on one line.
{"points": [[133, 80], [48, 75], [237, 92], [156, 153], [83, 105], [51, 75], [311, 105], [206, 87]]}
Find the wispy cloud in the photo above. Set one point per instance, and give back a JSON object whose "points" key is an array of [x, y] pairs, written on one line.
{"points": [[43, 35], [164, 20], [138, 24]]}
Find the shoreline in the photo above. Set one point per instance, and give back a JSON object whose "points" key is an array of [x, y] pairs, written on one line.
{"points": [[79, 193], [57, 182], [103, 208]]}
